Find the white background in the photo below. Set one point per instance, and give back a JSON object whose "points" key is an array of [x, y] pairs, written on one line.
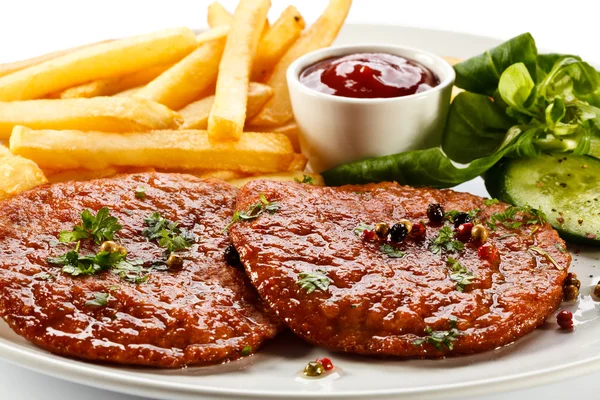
{"points": [[29, 28]]}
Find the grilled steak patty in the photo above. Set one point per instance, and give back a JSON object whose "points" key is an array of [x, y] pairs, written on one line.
{"points": [[346, 291], [205, 313]]}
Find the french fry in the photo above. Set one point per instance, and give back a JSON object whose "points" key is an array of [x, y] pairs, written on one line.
{"points": [[108, 114], [228, 114], [191, 149], [195, 115], [110, 86], [273, 45], [219, 32], [222, 174], [290, 130], [9, 68], [188, 79], [298, 162], [82, 175], [292, 176], [129, 92], [218, 15], [17, 174], [322, 33], [105, 60]]}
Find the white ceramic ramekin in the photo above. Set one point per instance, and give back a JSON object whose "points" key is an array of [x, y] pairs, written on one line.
{"points": [[335, 130]]}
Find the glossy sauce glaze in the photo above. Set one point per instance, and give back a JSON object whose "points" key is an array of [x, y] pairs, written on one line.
{"points": [[205, 313], [376, 304], [368, 75]]}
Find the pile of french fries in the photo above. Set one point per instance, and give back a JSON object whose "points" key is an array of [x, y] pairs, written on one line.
{"points": [[214, 104]]}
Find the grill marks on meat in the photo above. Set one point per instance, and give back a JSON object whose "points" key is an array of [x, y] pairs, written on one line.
{"points": [[381, 305], [207, 313]]}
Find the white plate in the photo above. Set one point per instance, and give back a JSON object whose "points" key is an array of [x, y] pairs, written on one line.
{"points": [[545, 355]]}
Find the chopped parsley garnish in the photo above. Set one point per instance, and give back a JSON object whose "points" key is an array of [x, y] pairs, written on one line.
{"points": [[306, 179], [490, 202], [311, 281], [445, 241], [100, 300], [440, 339], [135, 272], [140, 192], [360, 228], [560, 247], [459, 274], [451, 215], [76, 264], [246, 351], [167, 233], [531, 216], [99, 227], [253, 211], [44, 276], [391, 251], [547, 255]]}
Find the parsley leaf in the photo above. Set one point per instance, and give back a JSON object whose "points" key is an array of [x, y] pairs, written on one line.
{"points": [[99, 227], [306, 179], [547, 255], [440, 339], [75, 264], [253, 211], [490, 202], [135, 272], [530, 216], [140, 193], [311, 281], [246, 351], [461, 275], [391, 251], [167, 233], [43, 276], [451, 215], [360, 228], [445, 241], [100, 300]]}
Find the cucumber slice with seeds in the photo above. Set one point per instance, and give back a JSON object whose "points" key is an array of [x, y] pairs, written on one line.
{"points": [[566, 188]]}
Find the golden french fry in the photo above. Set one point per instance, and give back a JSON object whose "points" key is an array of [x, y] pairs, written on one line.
{"points": [[195, 115], [9, 68], [222, 174], [290, 130], [273, 45], [129, 92], [298, 162], [108, 114], [82, 175], [228, 114], [188, 79], [218, 15], [17, 174], [105, 60], [169, 149], [291, 176], [110, 86], [219, 32], [136, 170], [322, 33]]}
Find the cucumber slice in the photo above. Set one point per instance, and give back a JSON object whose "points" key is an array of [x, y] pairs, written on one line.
{"points": [[566, 188]]}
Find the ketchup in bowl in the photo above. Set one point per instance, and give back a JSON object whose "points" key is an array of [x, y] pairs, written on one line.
{"points": [[368, 76]]}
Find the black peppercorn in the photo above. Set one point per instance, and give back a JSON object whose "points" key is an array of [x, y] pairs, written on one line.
{"points": [[232, 257], [398, 232], [462, 218], [435, 213]]}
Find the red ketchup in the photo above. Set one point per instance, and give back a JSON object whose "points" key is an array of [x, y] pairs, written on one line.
{"points": [[368, 76]]}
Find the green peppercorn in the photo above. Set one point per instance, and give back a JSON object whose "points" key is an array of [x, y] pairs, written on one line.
{"points": [[314, 368], [382, 229], [479, 233], [123, 250], [571, 279], [109, 246], [175, 262], [570, 293]]}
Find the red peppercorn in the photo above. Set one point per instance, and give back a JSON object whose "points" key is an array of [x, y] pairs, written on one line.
{"points": [[369, 235], [418, 231], [487, 252], [565, 319], [463, 232], [326, 362]]}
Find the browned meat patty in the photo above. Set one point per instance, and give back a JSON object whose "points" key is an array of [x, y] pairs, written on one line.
{"points": [[379, 301], [205, 313]]}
